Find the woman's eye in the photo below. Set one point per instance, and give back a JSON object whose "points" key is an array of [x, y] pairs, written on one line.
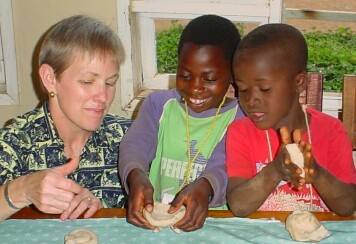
{"points": [[265, 89], [110, 83], [86, 82]]}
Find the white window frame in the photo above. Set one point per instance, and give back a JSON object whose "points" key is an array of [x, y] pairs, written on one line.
{"points": [[8, 67], [137, 32]]}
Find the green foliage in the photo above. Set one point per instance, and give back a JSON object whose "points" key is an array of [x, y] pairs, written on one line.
{"points": [[332, 53], [167, 48]]}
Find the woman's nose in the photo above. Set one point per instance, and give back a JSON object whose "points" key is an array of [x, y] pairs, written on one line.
{"points": [[101, 93]]}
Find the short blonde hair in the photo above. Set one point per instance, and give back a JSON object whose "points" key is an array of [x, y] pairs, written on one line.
{"points": [[79, 36]]}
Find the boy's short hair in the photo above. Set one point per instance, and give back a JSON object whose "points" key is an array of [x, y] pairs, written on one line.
{"points": [[284, 38], [211, 30], [79, 35]]}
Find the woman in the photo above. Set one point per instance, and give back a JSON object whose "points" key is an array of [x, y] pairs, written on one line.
{"points": [[62, 157]]}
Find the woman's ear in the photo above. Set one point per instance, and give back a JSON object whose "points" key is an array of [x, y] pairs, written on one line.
{"points": [[302, 81], [47, 76]]}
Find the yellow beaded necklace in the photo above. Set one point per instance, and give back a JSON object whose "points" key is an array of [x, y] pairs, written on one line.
{"points": [[190, 161]]}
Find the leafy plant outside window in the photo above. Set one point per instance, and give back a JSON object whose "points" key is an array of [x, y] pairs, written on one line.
{"points": [[332, 53]]}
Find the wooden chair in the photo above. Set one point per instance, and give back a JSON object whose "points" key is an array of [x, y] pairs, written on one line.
{"points": [[349, 107], [313, 94]]}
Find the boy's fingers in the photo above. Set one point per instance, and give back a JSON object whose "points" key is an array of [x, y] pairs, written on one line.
{"points": [[284, 133], [297, 135]]}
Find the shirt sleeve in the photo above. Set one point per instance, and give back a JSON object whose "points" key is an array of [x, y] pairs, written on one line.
{"points": [[215, 171], [9, 162], [138, 146], [238, 150], [332, 148]]}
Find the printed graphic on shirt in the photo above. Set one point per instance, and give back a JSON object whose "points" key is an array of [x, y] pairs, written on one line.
{"points": [[176, 170], [286, 198]]}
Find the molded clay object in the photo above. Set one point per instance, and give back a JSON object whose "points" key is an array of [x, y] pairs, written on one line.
{"points": [[304, 226], [296, 156], [160, 218], [80, 235]]}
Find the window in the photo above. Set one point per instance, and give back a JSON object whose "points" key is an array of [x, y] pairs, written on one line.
{"points": [[137, 28], [8, 74]]}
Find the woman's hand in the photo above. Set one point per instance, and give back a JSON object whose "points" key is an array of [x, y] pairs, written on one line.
{"points": [[85, 201], [49, 190]]}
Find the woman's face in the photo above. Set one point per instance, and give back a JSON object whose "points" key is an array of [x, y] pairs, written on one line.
{"points": [[203, 76], [84, 93]]}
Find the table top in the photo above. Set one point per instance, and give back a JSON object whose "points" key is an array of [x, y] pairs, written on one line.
{"points": [[32, 213], [31, 226]]}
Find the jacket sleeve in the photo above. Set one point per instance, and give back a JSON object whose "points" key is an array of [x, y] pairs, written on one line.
{"points": [[9, 162], [138, 146], [215, 171]]}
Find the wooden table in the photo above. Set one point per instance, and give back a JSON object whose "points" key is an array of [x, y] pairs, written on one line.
{"points": [[32, 213]]}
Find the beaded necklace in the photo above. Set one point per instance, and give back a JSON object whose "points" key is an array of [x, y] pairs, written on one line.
{"points": [[190, 161]]}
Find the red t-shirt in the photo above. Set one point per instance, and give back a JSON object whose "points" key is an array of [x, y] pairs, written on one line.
{"points": [[247, 152]]}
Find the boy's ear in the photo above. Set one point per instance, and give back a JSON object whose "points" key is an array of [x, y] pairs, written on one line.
{"points": [[302, 80], [47, 76]]}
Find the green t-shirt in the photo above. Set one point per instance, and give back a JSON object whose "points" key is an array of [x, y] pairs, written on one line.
{"points": [[171, 161]]}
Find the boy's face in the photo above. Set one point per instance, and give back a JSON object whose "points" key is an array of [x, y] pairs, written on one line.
{"points": [[203, 76], [267, 90]]}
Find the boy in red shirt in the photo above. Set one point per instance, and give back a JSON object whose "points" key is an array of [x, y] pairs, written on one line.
{"points": [[270, 72]]}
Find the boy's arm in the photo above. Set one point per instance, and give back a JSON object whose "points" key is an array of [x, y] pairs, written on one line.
{"points": [[339, 196], [138, 146], [215, 174], [215, 171], [245, 196], [336, 187]]}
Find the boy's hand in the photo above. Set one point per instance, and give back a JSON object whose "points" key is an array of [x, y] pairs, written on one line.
{"points": [[195, 197], [310, 166], [140, 197], [289, 171]]}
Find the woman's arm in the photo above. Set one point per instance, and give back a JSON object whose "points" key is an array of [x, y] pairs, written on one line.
{"points": [[49, 190]]}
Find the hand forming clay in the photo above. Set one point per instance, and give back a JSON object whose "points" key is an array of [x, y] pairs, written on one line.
{"points": [[304, 226], [80, 235], [160, 218], [296, 156]]}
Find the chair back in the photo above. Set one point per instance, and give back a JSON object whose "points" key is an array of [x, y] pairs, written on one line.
{"points": [[312, 96], [349, 107]]}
